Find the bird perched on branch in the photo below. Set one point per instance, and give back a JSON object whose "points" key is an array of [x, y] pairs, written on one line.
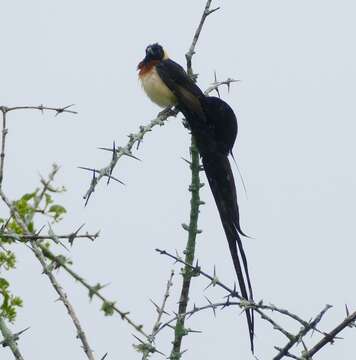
{"points": [[214, 127]]}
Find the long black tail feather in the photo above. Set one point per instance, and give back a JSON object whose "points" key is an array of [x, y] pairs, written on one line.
{"points": [[210, 130], [218, 171]]}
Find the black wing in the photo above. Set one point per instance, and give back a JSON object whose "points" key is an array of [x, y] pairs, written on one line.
{"points": [[223, 121], [188, 94]]}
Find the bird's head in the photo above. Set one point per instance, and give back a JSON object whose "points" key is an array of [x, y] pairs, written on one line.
{"points": [[154, 52]]}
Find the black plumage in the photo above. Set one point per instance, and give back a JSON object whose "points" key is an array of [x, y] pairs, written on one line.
{"points": [[214, 127]]}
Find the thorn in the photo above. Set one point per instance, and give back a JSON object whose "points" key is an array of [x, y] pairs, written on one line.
{"points": [[73, 235], [22, 331], [187, 161], [218, 92], [213, 306], [106, 149], [216, 82], [347, 311], [114, 156], [209, 12], [39, 231], [227, 303], [114, 178], [234, 293], [59, 111], [211, 283], [194, 331], [138, 339], [95, 171], [156, 306], [177, 256], [104, 356], [4, 226], [88, 197], [185, 227], [92, 190], [68, 106], [88, 169], [132, 156]]}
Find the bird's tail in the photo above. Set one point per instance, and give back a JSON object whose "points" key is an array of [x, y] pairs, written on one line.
{"points": [[218, 171]]}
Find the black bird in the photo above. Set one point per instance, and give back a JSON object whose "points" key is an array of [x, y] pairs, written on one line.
{"points": [[214, 127]]}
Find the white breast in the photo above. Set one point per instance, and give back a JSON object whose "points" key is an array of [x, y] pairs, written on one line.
{"points": [[156, 89]]}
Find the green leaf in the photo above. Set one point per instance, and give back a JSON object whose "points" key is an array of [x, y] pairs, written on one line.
{"points": [[57, 211], [108, 308]]}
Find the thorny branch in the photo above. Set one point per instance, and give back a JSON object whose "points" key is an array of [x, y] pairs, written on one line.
{"points": [[33, 244], [187, 273], [329, 337], [64, 298], [301, 334], [148, 348], [259, 307], [15, 337], [126, 150], [38, 253], [195, 202], [5, 110], [191, 52], [93, 290], [39, 248], [196, 309], [60, 260], [57, 110], [10, 339], [3, 138], [69, 237]]}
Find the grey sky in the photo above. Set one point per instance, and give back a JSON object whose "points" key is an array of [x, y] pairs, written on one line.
{"points": [[296, 111]]}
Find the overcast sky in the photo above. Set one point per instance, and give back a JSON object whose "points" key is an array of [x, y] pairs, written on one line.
{"points": [[295, 105]]}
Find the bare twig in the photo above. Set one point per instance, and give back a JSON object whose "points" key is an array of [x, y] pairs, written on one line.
{"points": [[197, 309], [216, 84], [5, 109], [191, 51], [148, 348], [126, 151], [64, 298], [10, 339], [3, 139], [197, 269], [42, 108], [275, 326], [93, 290], [301, 334], [288, 354], [329, 337], [70, 237], [258, 307], [161, 309]]}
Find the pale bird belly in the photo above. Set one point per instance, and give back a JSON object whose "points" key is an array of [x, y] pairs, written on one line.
{"points": [[157, 90]]}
